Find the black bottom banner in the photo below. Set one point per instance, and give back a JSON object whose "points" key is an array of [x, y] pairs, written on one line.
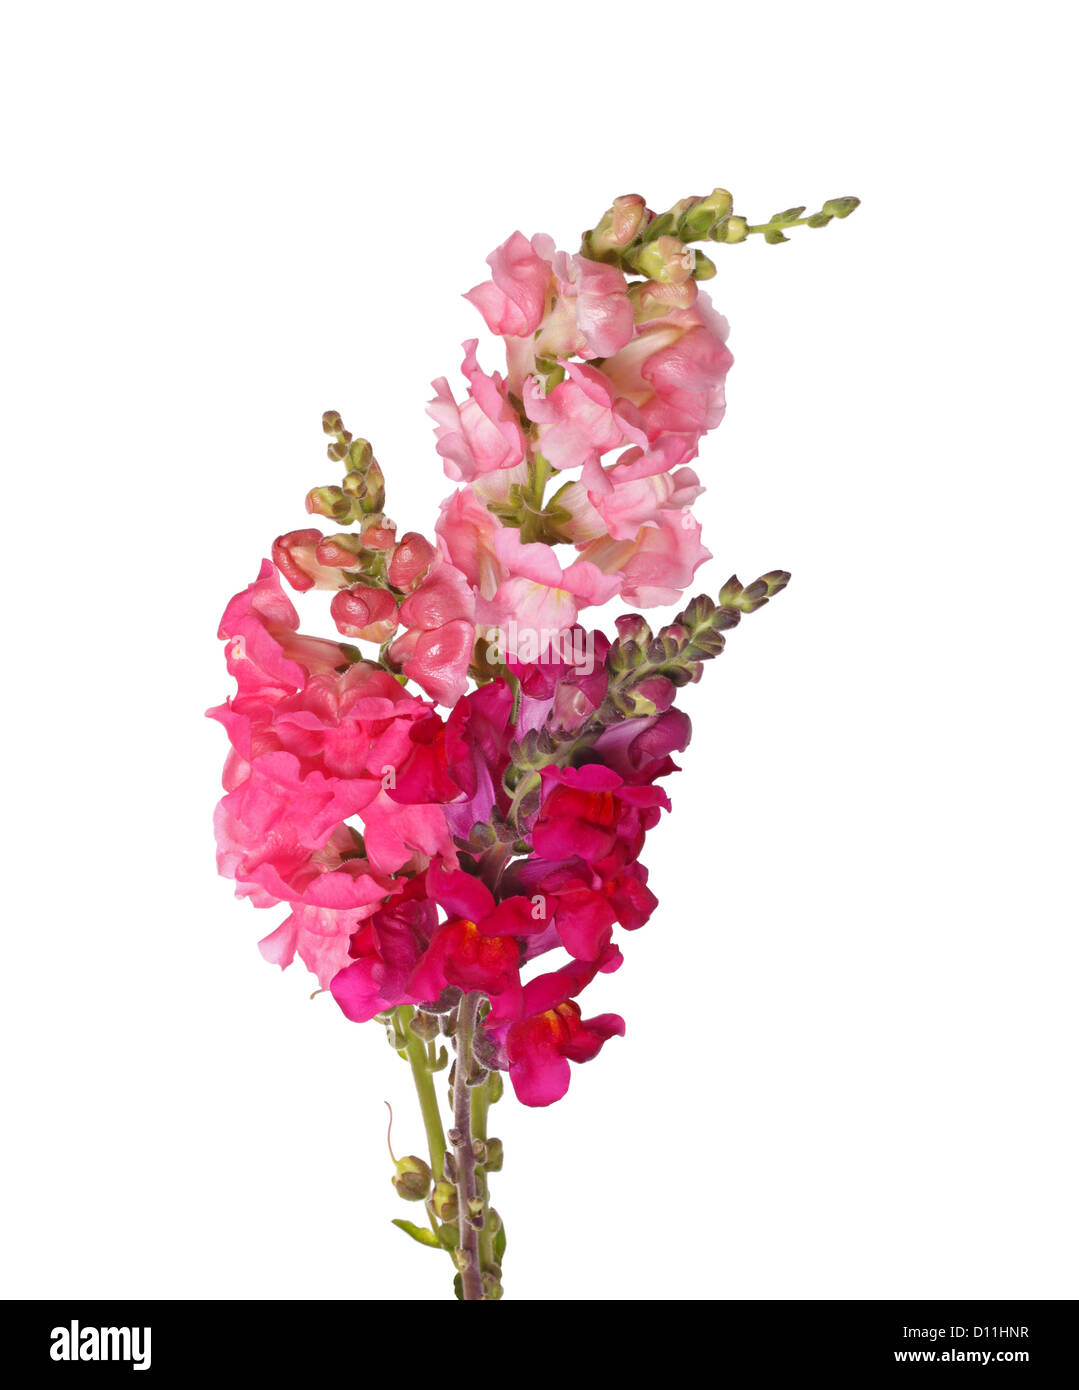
{"points": [[173, 1341]]}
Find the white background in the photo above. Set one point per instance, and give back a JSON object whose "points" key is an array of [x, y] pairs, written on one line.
{"points": [[850, 1057]]}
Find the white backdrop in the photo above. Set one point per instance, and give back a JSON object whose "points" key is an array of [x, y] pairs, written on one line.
{"points": [[849, 1064]]}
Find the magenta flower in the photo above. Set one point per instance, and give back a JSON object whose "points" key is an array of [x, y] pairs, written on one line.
{"points": [[540, 1046]]}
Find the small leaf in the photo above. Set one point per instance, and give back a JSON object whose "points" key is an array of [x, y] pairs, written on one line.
{"points": [[419, 1233], [499, 1243]]}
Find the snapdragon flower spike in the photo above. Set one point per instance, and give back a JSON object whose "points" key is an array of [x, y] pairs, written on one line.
{"points": [[439, 808]]}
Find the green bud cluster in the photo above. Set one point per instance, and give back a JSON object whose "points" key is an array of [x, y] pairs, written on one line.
{"points": [[362, 492], [640, 667], [648, 248]]}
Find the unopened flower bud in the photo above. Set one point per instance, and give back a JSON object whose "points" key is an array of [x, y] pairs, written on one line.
{"points": [[360, 456], [374, 498], [493, 1161], [619, 224], [653, 696], [734, 229], [704, 268], [379, 533], [298, 555], [412, 1179], [364, 612], [633, 628], [667, 260], [840, 207], [330, 501], [443, 1201], [707, 212], [652, 300], [411, 558], [340, 551]]}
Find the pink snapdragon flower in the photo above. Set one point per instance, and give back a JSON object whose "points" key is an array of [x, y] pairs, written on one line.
{"points": [[320, 936], [535, 592], [582, 418], [658, 564], [467, 532], [549, 305], [622, 503], [673, 372], [440, 622], [366, 612], [515, 299], [484, 434]]}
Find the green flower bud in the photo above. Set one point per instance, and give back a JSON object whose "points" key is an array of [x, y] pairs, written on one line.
{"points": [[331, 502], [360, 456], [618, 225], [667, 260], [735, 229], [840, 207], [412, 1179], [374, 498], [443, 1201], [493, 1161], [705, 213]]}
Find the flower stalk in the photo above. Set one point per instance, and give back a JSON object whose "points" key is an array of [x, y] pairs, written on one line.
{"points": [[470, 1206]]}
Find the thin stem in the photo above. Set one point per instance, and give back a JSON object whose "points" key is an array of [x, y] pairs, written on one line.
{"points": [[532, 502], [481, 1102], [416, 1051], [761, 227], [465, 1156]]}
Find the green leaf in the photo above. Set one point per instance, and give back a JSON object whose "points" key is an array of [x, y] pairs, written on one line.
{"points": [[419, 1233], [499, 1243]]}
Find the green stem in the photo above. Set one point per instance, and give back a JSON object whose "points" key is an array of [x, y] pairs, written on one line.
{"points": [[416, 1050], [761, 227], [532, 506]]}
